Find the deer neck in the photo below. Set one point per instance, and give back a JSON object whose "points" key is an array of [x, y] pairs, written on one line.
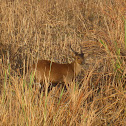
{"points": [[76, 67]]}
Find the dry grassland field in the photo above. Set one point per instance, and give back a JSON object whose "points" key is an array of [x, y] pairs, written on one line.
{"points": [[31, 30]]}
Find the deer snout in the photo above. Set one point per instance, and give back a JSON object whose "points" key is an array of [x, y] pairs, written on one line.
{"points": [[83, 62]]}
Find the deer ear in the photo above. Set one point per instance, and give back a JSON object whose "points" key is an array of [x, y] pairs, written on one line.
{"points": [[73, 55]]}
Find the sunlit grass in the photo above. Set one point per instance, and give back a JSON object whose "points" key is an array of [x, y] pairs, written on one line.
{"points": [[32, 30]]}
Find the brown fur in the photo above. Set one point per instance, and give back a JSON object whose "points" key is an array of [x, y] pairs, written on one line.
{"points": [[57, 73]]}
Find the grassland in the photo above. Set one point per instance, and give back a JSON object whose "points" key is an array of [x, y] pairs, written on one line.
{"points": [[44, 29]]}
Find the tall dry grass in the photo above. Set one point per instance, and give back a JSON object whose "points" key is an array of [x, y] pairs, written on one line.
{"points": [[43, 29]]}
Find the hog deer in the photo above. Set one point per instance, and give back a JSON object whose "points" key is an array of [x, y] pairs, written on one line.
{"points": [[58, 73]]}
